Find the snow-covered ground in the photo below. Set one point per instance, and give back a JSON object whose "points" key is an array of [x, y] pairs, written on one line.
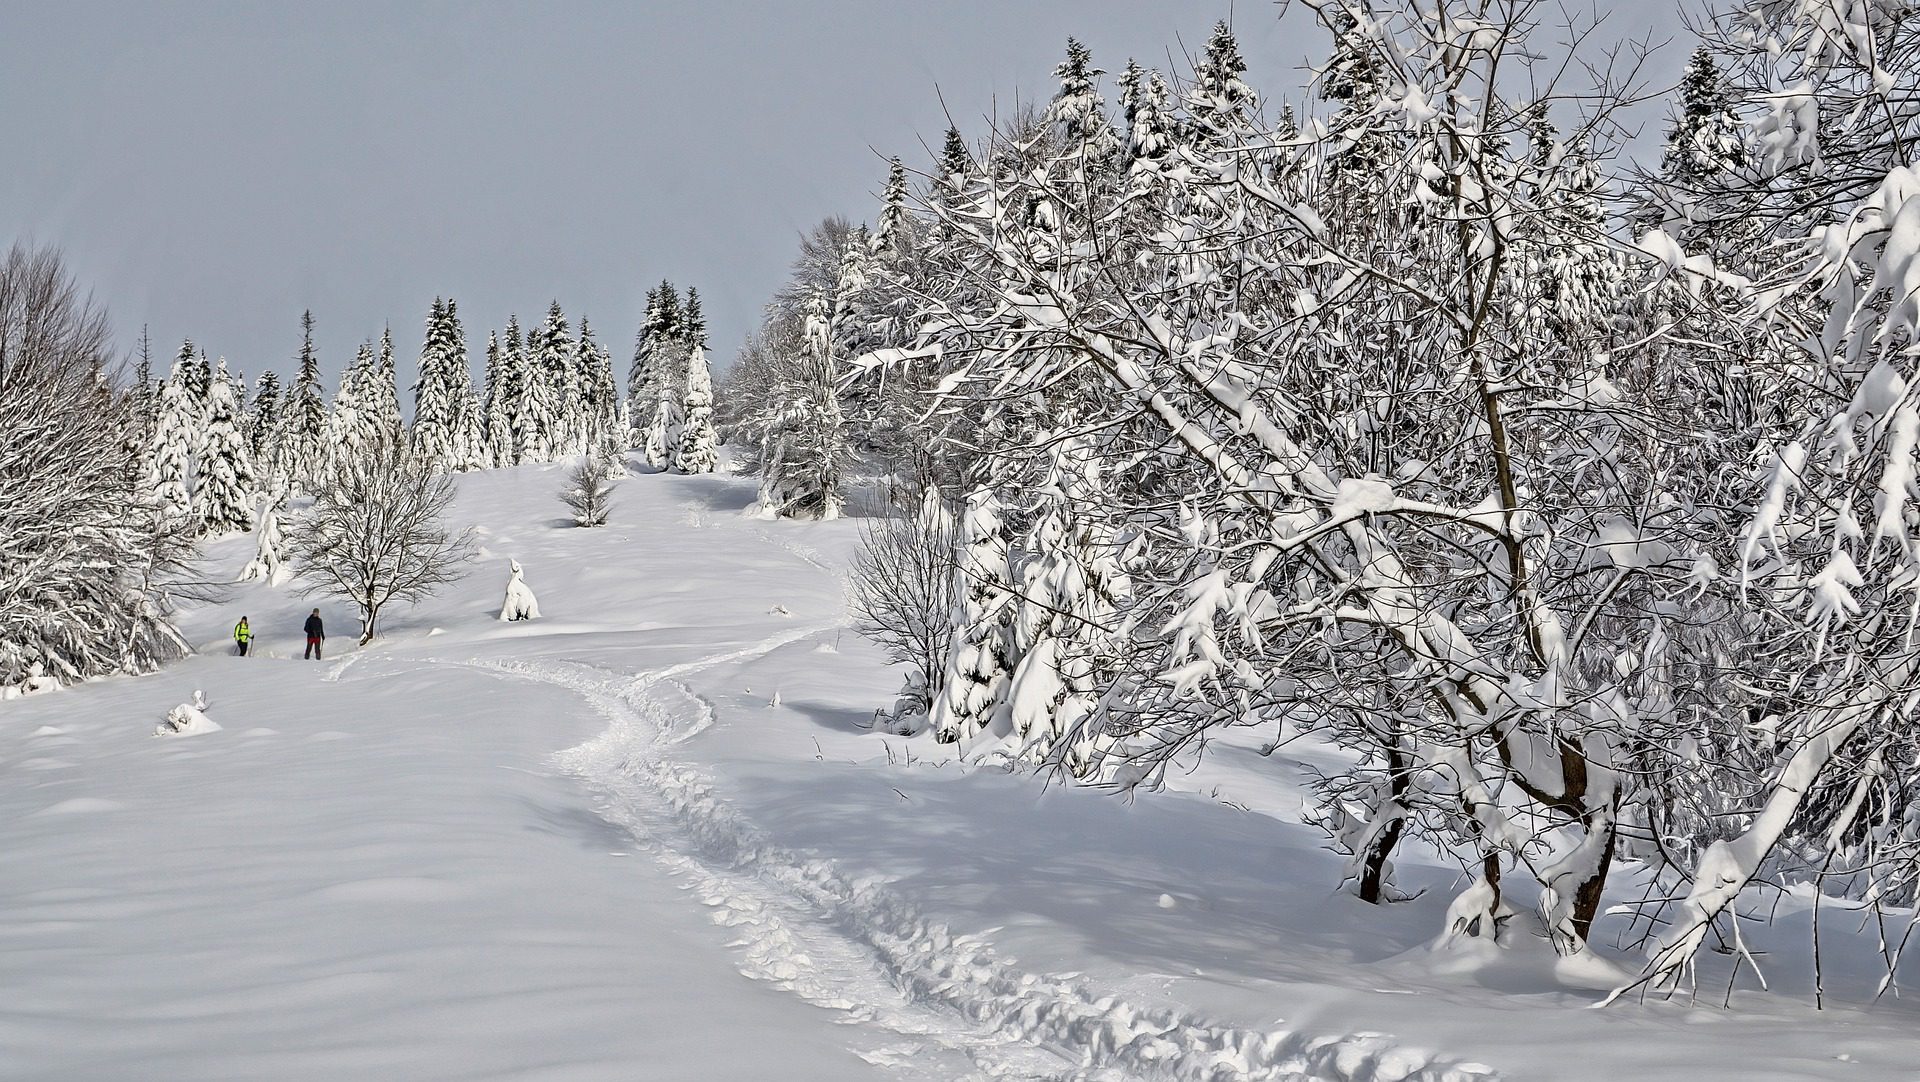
{"points": [[650, 836]]}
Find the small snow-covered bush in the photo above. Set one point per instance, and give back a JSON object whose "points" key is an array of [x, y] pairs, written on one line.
{"points": [[903, 589], [589, 492], [520, 604]]}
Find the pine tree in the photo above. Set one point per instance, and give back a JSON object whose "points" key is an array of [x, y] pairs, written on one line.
{"points": [[263, 424], [696, 451], [466, 430], [170, 455], [552, 362], [893, 241], [499, 429], [667, 353], [303, 441], [353, 427], [383, 394], [1220, 100], [516, 388], [1077, 113], [223, 502], [434, 418], [642, 378]]}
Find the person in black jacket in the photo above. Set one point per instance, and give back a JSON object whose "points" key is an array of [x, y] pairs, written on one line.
{"points": [[316, 634]]}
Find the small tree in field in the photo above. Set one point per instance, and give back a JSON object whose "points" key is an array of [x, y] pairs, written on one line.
{"points": [[904, 588], [588, 492], [375, 534]]}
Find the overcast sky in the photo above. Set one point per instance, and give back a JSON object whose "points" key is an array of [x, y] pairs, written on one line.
{"points": [[213, 169]]}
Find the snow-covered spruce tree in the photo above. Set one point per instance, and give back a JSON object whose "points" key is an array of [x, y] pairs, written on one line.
{"points": [[268, 565], [980, 661], [86, 562], [263, 425], [467, 433], [304, 431], [169, 458], [1705, 151], [666, 359], [697, 451], [551, 362], [587, 492], [352, 425], [375, 534], [223, 501], [605, 435], [499, 429], [642, 375], [525, 396], [442, 396], [382, 393]]}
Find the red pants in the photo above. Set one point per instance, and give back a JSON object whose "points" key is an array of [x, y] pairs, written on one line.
{"points": [[313, 645]]}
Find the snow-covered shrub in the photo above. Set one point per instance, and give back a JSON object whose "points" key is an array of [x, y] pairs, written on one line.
{"points": [[84, 552], [519, 604], [188, 719], [375, 534], [903, 589], [588, 492]]}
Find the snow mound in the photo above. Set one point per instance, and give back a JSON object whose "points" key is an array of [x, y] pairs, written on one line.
{"points": [[188, 719]]}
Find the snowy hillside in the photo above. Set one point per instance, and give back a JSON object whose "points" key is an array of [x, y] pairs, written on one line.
{"points": [[650, 835]]}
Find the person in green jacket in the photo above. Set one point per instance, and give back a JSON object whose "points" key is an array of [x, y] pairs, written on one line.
{"points": [[242, 635]]}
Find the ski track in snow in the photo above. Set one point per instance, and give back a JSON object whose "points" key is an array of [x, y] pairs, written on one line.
{"points": [[948, 1002]]}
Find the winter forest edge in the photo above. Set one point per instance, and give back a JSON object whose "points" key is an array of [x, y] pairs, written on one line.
{"points": [[1571, 500]]}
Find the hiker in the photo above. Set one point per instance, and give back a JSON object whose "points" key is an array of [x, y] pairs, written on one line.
{"points": [[316, 634], [242, 635]]}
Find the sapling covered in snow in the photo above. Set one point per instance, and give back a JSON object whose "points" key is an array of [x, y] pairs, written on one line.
{"points": [[267, 564], [519, 604], [903, 589], [587, 492], [188, 719]]}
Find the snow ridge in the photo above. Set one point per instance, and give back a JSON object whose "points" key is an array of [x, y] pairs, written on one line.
{"points": [[810, 928]]}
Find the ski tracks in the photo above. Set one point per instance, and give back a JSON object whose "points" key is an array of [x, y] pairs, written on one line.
{"points": [[948, 1005]]}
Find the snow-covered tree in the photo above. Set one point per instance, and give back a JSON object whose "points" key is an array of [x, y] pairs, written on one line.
{"points": [[263, 425], [520, 603], [697, 449], [376, 535], [304, 422], [86, 564], [169, 459], [587, 492], [223, 500], [980, 661], [268, 565]]}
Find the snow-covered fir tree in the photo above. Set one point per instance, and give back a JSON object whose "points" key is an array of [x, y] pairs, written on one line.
{"points": [[263, 425], [169, 459], [697, 449], [973, 695], [223, 499], [304, 421]]}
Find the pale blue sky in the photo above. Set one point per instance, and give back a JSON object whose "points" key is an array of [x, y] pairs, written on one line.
{"points": [[212, 169]]}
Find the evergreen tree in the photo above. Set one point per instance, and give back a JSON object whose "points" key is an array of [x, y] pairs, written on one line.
{"points": [[383, 394], [263, 423], [1220, 100], [980, 663], [434, 410], [516, 388], [696, 451], [667, 354], [1077, 113], [893, 241], [642, 377], [552, 362], [354, 427], [467, 428], [499, 429], [223, 501], [170, 455], [303, 441]]}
